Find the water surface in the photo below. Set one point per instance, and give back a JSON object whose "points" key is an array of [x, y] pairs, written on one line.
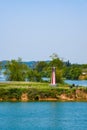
{"points": [[43, 116], [77, 82]]}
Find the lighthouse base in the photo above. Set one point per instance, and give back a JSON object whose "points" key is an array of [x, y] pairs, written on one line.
{"points": [[53, 85]]}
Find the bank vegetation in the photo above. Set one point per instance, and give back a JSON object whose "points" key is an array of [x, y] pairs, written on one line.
{"points": [[33, 91]]}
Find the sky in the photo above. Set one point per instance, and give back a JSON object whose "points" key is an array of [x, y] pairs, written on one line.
{"points": [[35, 29]]}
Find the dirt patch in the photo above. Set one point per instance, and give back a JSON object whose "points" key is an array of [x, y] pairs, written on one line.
{"points": [[48, 99], [80, 94], [65, 98], [24, 97], [1, 99]]}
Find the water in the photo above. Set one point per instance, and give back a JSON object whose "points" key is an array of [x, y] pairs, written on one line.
{"points": [[43, 116], [2, 76], [2, 79], [77, 82]]}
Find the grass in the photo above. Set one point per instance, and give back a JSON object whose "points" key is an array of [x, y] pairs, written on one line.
{"points": [[37, 85], [35, 90]]}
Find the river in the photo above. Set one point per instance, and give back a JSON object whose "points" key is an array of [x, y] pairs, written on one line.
{"points": [[77, 82], [43, 116]]}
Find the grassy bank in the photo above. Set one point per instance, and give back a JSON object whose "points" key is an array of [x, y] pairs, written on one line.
{"points": [[32, 91]]}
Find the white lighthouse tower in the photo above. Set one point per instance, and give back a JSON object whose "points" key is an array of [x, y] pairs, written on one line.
{"points": [[53, 77]]}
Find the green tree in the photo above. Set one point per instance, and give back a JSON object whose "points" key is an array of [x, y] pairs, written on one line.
{"points": [[16, 70], [56, 61], [34, 75], [59, 75], [40, 66], [73, 72]]}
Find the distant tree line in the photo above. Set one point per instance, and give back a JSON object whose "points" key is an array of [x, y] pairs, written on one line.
{"points": [[16, 70]]}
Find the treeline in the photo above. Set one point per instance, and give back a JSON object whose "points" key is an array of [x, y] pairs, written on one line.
{"points": [[16, 70]]}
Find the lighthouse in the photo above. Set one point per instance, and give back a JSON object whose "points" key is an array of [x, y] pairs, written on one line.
{"points": [[53, 77]]}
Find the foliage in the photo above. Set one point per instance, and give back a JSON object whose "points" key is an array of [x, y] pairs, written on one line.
{"points": [[67, 63], [15, 70], [73, 72], [33, 75], [56, 62], [45, 69], [40, 66], [59, 76], [9, 93], [35, 91]]}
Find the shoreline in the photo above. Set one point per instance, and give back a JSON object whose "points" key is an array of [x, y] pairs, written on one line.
{"points": [[28, 95], [33, 91]]}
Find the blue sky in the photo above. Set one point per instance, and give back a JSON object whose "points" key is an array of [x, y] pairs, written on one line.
{"points": [[34, 29]]}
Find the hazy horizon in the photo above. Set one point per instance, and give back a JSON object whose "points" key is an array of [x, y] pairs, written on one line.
{"points": [[34, 30]]}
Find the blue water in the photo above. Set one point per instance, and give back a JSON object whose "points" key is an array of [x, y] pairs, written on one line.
{"points": [[77, 82], [43, 116]]}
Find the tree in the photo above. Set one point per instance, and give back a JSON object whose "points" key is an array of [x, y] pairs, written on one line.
{"points": [[54, 56], [59, 75], [73, 72], [16, 70], [56, 61], [40, 66], [34, 75]]}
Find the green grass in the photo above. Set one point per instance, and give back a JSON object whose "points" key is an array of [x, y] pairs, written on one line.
{"points": [[37, 85], [35, 90]]}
